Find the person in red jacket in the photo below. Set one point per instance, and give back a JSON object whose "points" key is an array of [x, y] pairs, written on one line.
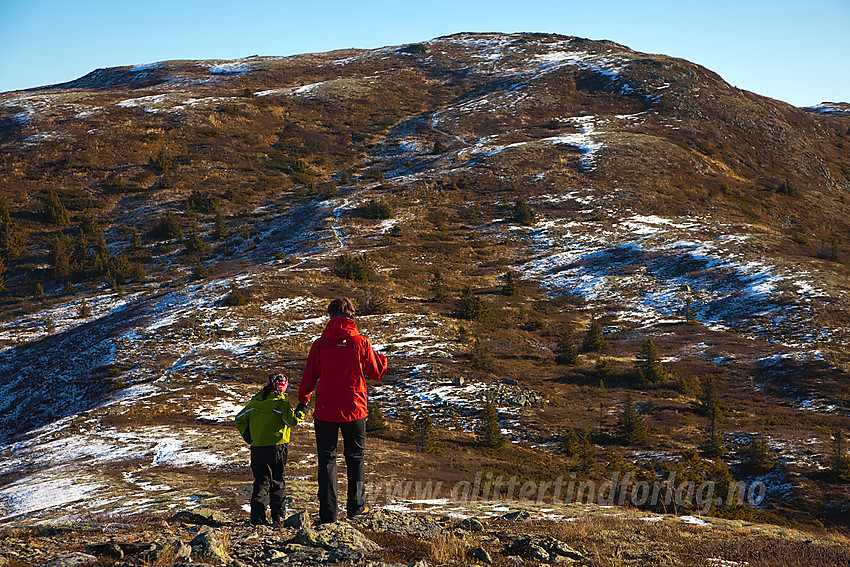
{"points": [[337, 368]]}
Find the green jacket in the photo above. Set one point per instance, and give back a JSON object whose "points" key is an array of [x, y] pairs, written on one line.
{"points": [[263, 423]]}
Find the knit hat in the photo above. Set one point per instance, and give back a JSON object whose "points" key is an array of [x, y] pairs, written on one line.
{"points": [[281, 382]]}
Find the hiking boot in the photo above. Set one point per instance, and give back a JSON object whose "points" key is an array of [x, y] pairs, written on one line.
{"points": [[259, 522], [364, 510]]}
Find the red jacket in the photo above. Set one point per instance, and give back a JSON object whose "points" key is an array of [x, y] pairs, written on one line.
{"points": [[337, 368]]}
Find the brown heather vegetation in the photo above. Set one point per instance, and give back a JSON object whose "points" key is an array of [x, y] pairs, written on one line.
{"points": [[208, 171]]}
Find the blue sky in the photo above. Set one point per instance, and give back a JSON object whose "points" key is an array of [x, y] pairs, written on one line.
{"points": [[792, 50]]}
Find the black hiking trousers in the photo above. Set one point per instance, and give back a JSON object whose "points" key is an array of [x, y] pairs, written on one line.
{"points": [[268, 465], [354, 445]]}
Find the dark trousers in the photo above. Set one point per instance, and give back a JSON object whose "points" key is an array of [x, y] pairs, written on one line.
{"points": [[268, 465], [354, 445]]}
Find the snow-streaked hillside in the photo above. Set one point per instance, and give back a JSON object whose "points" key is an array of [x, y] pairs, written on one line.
{"points": [[668, 205]]}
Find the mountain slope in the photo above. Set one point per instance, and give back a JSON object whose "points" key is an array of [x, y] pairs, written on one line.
{"points": [[667, 205]]}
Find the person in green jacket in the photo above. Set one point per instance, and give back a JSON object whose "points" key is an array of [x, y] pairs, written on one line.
{"points": [[265, 423]]}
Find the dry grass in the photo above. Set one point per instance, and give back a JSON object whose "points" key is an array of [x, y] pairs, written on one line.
{"points": [[448, 548]]}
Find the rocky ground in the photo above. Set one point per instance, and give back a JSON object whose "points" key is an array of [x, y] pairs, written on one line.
{"points": [[585, 535]]}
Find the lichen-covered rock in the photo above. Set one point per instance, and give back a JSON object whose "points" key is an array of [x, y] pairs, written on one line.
{"points": [[470, 525], [207, 547], [347, 555], [536, 553], [173, 549], [414, 525], [306, 537], [333, 536]]}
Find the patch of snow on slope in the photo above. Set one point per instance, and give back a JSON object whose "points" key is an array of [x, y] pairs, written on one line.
{"points": [[25, 496], [306, 89], [231, 68], [653, 275], [587, 140], [150, 103]]}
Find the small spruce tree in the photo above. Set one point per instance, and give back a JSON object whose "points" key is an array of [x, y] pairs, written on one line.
{"points": [[60, 257], [511, 286], [631, 427], [84, 310], [523, 213], [438, 287], [236, 297], [471, 307], [648, 367], [489, 431], [375, 422], [709, 403], [220, 229], [38, 293], [54, 210], [603, 369], [567, 351], [5, 211], [376, 209], [373, 303], [713, 444], [355, 268], [194, 245], [480, 357], [167, 227], [408, 428], [426, 435], [574, 441], [11, 241], [758, 458], [594, 340], [840, 469]]}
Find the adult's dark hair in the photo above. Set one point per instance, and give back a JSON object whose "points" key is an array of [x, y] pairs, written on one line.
{"points": [[341, 307]]}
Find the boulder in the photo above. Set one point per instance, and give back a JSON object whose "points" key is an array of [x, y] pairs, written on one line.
{"points": [[306, 537], [333, 536], [135, 548], [414, 525], [346, 555], [519, 515], [536, 553], [203, 517], [470, 525], [207, 547], [73, 559], [536, 548], [480, 554], [109, 549], [298, 521]]}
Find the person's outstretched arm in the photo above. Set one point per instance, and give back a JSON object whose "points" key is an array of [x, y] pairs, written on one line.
{"points": [[376, 363], [312, 371]]}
